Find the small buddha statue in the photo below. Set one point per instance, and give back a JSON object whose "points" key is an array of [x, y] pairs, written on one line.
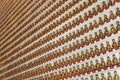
{"points": [[91, 39], [118, 41], [70, 72], [96, 25], [66, 61], [112, 16], [86, 40], [70, 59], [74, 71], [78, 57], [97, 52], [97, 77], [90, 14], [66, 73], [110, 3], [118, 25], [103, 64], [113, 30], [91, 77], [109, 76], [102, 48], [96, 36], [77, 33], [82, 55], [86, 29], [82, 78], [97, 65], [118, 12], [114, 60], [94, 11], [83, 69], [100, 21], [77, 44], [82, 43], [78, 70], [114, 44], [106, 19], [85, 17], [91, 27], [106, 32], [109, 62], [108, 46], [87, 54], [103, 77], [101, 35], [87, 67], [99, 9], [116, 76], [81, 31], [89, 2], [92, 53], [91, 66], [85, 5], [104, 5], [81, 19], [74, 58]]}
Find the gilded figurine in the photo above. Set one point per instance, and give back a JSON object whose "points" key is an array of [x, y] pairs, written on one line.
{"points": [[106, 19], [91, 39], [87, 54], [116, 76], [101, 35], [112, 16], [103, 77], [113, 30], [109, 76], [114, 44], [114, 60], [108, 46], [85, 16], [97, 77], [86, 29], [118, 12], [91, 27], [118, 25], [96, 25], [100, 21], [97, 51]]}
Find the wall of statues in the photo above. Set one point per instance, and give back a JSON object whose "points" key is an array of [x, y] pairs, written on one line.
{"points": [[60, 40]]}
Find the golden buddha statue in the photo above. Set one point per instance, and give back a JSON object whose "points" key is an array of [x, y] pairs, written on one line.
{"points": [[86, 40], [116, 76], [104, 5], [109, 76], [97, 51], [92, 66], [91, 27], [96, 25], [83, 69], [118, 12], [106, 32], [114, 60], [108, 46], [94, 11], [118, 25], [97, 65], [106, 19], [100, 21], [97, 77], [86, 28], [102, 48], [103, 64], [114, 44], [96, 36], [103, 77], [112, 16], [91, 39], [91, 77], [82, 55], [87, 54]]}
